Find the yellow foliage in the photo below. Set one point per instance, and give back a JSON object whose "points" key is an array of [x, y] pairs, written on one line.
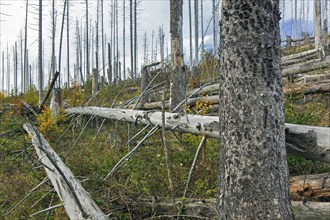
{"points": [[47, 124], [202, 105]]}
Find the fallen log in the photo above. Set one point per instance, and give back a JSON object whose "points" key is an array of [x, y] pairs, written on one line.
{"points": [[312, 57], [76, 200], [300, 55], [307, 141], [313, 187], [206, 208], [308, 88], [303, 68]]}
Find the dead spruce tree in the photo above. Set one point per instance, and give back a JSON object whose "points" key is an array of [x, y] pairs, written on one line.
{"points": [[254, 178], [177, 87]]}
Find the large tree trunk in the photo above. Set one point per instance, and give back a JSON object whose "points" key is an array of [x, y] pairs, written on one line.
{"points": [[253, 169], [177, 86], [77, 202], [315, 147]]}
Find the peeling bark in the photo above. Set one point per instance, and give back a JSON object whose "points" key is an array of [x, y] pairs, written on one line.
{"points": [[77, 202], [318, 148]]}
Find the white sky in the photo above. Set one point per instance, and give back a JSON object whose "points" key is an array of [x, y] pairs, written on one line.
{"points": [[151, 15]]}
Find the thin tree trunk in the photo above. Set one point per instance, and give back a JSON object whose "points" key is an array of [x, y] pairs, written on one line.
{"points": [[202, 27], [124, 39], [103, 44], [88, 76], [253, 161], [131, 35], [215, 33], [3, 72], [196, 31], [68, 44], [177, 86], [40, 73], [22, 63], [8, 71], [15, 69], [135, 39], [317, 24], [25, 48], [325, 21], [190, 36]]}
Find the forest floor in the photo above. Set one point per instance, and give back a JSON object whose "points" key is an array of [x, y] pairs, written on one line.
{"points": [[90, 147]]}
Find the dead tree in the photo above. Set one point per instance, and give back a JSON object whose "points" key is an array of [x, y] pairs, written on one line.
{"points": [[251, 115], [76, 200], [317, 24], [177, 86]]}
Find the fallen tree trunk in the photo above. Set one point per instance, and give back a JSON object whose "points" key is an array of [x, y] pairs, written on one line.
{"points": [[313, 187], [307, 141], [303, 68], [308, 88], [77, 202], [311, 57], [206, 208], [300, 55]]}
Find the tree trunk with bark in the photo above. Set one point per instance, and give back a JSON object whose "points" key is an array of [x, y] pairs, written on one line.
{"points": [[40, 75], [317, 24], [177, 86], [253, 172]]}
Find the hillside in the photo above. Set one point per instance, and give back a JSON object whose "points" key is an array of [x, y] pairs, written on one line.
{"points": [[91, 145]]}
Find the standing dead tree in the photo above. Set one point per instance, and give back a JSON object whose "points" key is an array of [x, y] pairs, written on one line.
{"points": [[177, 86]]}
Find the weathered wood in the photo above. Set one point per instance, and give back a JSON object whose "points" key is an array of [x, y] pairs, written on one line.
{"points": [[77, 202], [51, 86], [307, 141], [206, 208], [300, 55], [313, 187], [308, 88], [302, 68], [302, 60]]}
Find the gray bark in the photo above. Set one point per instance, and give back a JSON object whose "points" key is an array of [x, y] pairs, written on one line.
{"points": [[317, 147], [190, 36], [68, 45], [95, 81], [25, 48], [177, 85], [196, 31], [40, 73], [88, 76], [131, 36], [77, 202], [103, 44], [317, 24], [253, 161], [124, 41]]}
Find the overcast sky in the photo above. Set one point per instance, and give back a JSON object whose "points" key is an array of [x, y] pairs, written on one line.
{"points": [[151, 15]]}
